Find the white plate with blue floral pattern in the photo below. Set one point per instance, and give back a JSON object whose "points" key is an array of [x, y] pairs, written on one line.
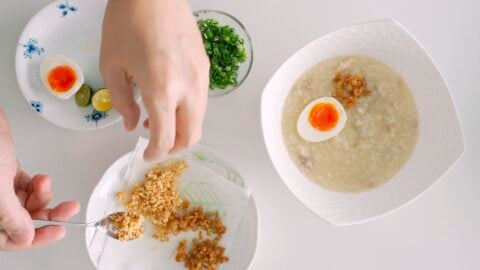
{"points": [[209, 181], [71, 28]]}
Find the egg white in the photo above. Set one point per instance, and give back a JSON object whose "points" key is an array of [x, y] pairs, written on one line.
{"points": [[52, 61], [311, 134]]}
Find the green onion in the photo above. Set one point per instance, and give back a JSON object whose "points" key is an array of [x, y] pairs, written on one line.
{"points": [[226, 51]]}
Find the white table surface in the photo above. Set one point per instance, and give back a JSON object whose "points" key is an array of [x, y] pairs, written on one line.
{"points": [[440, 230]]}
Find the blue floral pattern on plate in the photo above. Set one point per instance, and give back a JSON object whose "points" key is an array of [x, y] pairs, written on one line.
{"points": [[37, 106], [65, 7], [31, 48], [96, 116]]}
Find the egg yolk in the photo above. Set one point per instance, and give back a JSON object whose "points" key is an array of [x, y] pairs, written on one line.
{"points": [[323, 116], [62, 78]]}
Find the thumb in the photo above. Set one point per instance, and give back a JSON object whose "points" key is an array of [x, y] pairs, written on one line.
{"points": [[15, 221]]}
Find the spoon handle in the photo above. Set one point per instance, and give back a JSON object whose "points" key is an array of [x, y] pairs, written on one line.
{"points": [[40, 223]]}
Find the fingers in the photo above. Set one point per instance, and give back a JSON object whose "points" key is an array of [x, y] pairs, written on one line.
{"points": [[15, 221], [40, 193], [121, 92], [176, 130], [8, 161], [51, 234], [61, 212], [16, 224], [4, 126], [48, 235], [22, 180], [161, 123], [43, 236], [189, 125], [22, 196], [188, 128]]}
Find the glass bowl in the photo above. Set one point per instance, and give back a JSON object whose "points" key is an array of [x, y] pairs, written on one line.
{"points": [[226, 19]]}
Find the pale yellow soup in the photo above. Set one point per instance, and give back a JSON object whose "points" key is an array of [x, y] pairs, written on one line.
{"points": [[380, 134]]}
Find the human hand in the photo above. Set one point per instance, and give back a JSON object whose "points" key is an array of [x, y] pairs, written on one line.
{"points": [[157, 45], [22, 198]]}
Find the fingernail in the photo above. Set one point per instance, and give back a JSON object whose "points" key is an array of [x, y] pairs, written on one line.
{"points": [[128, 125]]}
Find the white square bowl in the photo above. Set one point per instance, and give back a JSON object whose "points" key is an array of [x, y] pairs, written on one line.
{"points": [[440, 144]]}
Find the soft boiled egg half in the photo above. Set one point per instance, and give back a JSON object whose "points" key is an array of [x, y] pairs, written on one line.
{"points": [[321, 120], [61, 76]]}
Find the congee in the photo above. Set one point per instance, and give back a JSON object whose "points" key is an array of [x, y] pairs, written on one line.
{"points": [[380, 132]]}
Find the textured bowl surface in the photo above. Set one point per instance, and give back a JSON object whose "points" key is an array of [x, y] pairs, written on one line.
{"points": [[440, 142]]}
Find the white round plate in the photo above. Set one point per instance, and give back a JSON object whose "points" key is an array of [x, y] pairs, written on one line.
{"points": [[241, 252], [440, 144], [71, 28]]}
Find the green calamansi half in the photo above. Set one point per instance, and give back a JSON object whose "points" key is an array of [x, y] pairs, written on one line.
{"points": [[84, 95]]}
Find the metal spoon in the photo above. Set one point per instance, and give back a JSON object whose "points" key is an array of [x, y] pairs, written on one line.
{"points": [[104, 225]]}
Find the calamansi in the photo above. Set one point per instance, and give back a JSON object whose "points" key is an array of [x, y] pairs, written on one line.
{"points": [[101, 100], [83, 95]]}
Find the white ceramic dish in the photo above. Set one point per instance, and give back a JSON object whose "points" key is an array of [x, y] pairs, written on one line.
{"points": [[440, 144], [71, 28], [141, 254]]}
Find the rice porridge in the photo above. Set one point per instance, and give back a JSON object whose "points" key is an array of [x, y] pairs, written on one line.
{"points": [[378, 138]]}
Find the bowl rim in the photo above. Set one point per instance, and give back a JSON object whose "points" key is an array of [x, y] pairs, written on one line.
{"points": [[435, 67], [249, 41]]}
